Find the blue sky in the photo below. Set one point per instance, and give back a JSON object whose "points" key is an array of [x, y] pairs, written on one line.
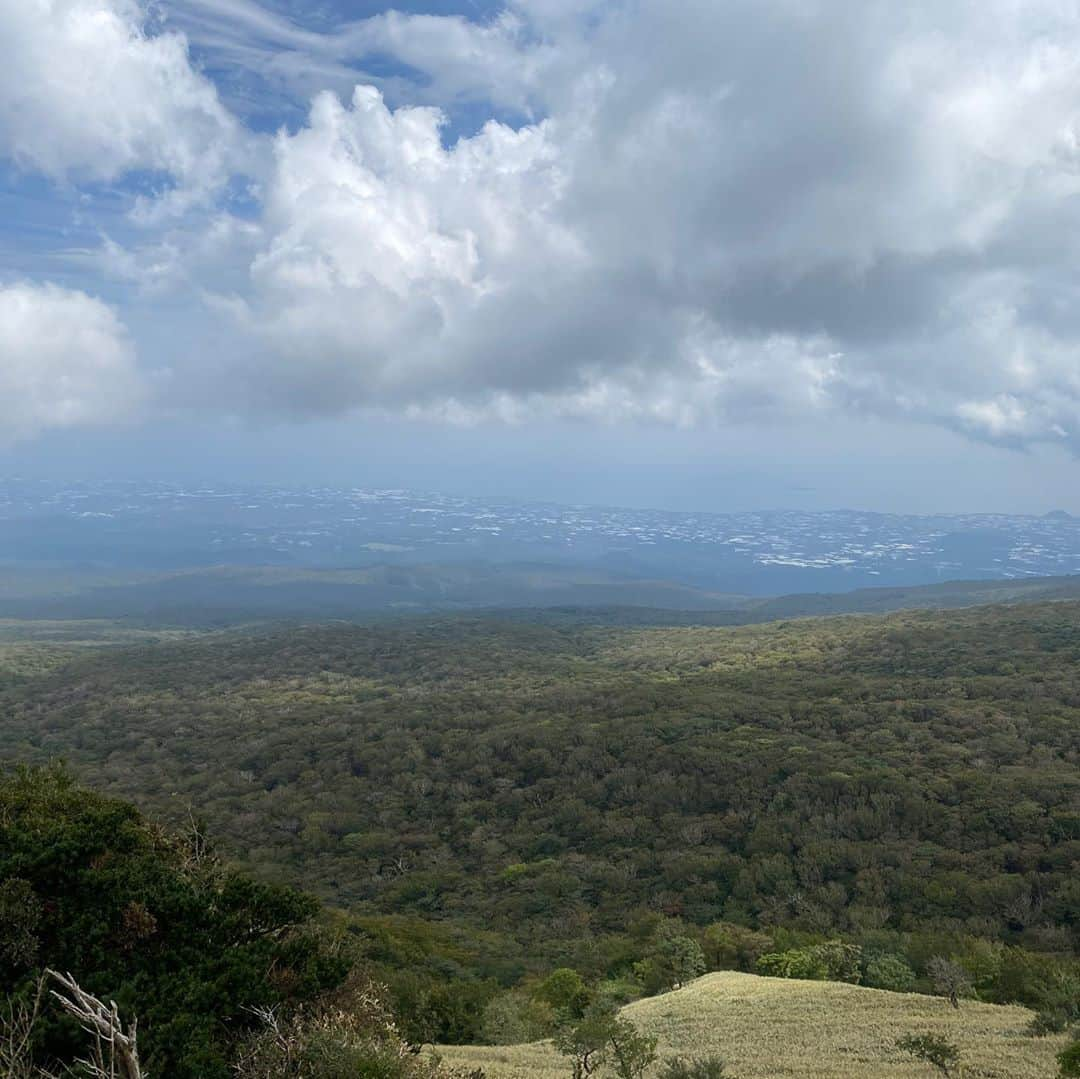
{"points": [[780, 252]]}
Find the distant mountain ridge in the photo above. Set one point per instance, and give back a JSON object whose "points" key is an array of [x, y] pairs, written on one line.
{"points": [[230, 594]]}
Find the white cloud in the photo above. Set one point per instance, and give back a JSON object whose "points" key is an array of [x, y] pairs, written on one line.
{"points": [[86, 93], [499, 61], [383, 250], [65, 361], [495, 61], [740, 211]]}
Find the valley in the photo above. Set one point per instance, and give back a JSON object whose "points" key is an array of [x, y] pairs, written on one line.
{"points": [[482, 799]]}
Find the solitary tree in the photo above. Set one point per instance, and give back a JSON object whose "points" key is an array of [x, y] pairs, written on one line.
{"points": [[673, 960], [600, 1037], [683, 958], [949, 979], [586, 1041]]}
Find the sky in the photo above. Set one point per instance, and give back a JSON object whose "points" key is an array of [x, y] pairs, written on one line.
{"points": [[713, 254]]}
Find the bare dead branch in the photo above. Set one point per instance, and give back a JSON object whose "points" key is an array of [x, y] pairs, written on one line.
{"points": [[115, 1054], [16, 1034]]}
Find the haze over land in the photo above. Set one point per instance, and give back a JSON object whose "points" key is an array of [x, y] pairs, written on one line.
{"points": [[316, 548]]}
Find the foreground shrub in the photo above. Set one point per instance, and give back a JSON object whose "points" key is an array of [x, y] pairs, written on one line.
{"points": [[147, 919], [352, 1037], [697, 1068], [1069, 1061], [938, 1052]]}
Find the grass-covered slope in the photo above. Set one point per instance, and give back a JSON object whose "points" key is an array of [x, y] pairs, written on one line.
{"points": [[771, 1028]]}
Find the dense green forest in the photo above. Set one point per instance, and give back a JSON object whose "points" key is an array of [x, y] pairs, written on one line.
{"points": [[487, 799]]}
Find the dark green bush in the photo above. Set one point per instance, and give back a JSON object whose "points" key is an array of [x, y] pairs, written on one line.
{"points": [[889, 972], [147, 919], [696, 1068], [1069, 1061], [936, 1051]]}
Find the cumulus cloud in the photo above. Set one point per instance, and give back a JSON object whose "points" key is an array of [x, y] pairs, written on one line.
{"points": [[87, 93], [65, 361], [741, 211], [383, 253], [736, 210]]}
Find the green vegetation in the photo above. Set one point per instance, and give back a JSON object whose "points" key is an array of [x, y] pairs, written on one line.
{"points": [[891, 802], [1069, 1061], [601, 1037], [224, 976], [349, 1035], [938, 1052], [694, 1068], [833, 961]]}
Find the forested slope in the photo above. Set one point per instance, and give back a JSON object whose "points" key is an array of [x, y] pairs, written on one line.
{"points": [[848, 775]]}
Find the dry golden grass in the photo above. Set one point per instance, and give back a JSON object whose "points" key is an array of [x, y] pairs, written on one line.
{"points": [[768, 1028]]}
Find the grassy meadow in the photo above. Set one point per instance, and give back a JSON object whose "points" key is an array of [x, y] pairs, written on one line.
{"points": [[768, 1028]]}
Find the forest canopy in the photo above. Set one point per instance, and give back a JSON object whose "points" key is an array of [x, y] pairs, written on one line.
{"points": [[489, 799]]}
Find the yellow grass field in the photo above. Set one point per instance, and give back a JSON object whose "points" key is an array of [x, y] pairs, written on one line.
{"points": [[768, 1028]]}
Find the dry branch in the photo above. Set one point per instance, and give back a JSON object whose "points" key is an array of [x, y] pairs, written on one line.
{"points": [[115, 1054]]}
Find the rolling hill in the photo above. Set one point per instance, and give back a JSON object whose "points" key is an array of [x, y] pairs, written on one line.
{"points": [[773, 1028]]}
